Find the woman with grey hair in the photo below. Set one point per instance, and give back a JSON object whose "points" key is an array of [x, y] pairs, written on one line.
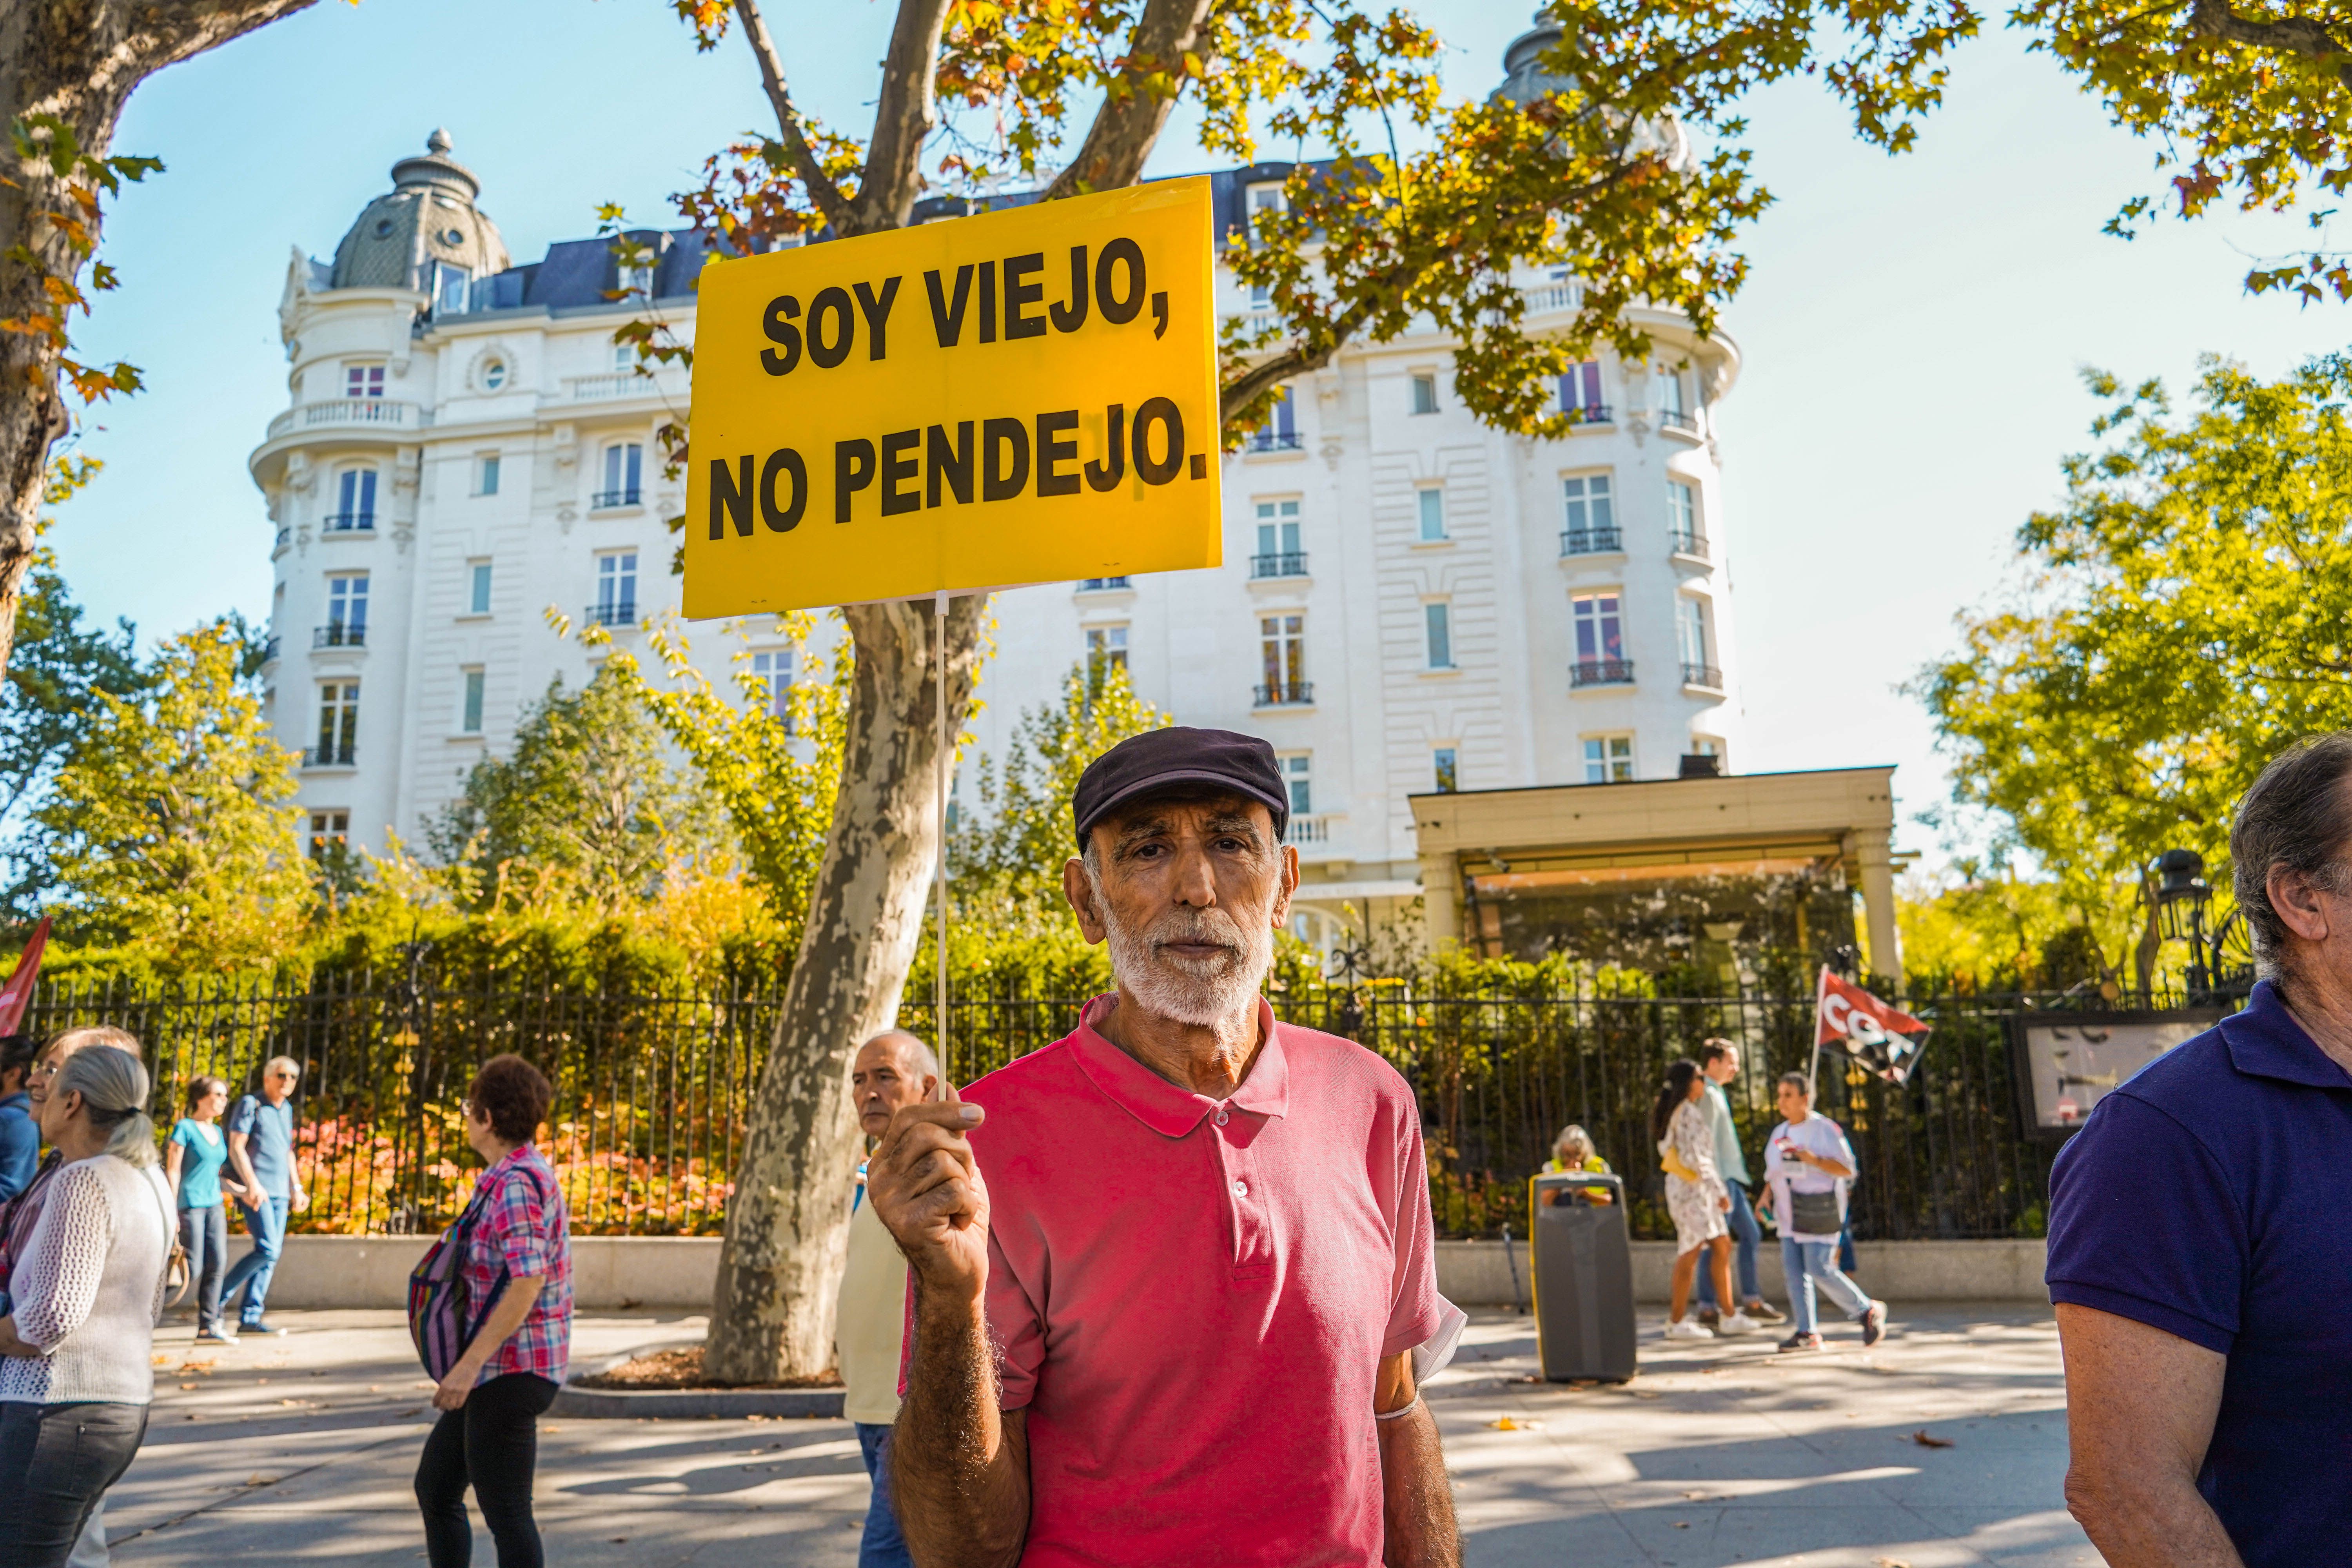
{"points": [[75, 1377]]}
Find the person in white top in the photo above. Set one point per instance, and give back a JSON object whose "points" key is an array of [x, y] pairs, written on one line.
{"points": [[1809, 1167], [75, 1374], [892, 1070], [1697, 1198]]}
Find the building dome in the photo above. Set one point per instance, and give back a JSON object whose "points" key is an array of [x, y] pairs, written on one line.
{"points": [[1525, 80], [427, 219]]}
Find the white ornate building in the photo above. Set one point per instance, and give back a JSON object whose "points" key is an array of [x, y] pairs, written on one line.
{"points": [[1410, 601]]}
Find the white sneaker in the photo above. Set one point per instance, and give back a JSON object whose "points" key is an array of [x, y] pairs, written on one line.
{"points": [[1689, 1329], [1739, 1323]]}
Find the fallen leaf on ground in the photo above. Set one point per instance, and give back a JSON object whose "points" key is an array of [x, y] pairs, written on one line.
{"points": [[1682, 1524], [1696, 1497], [1646, 1393], [260, 1480], [1509, 1424], [1894, 1562], [162, 1359], [1925, 1441], [187, 1385]]}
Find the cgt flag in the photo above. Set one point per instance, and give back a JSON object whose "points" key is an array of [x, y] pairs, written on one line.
{"points": [[1881, 1039], [20, 989]]}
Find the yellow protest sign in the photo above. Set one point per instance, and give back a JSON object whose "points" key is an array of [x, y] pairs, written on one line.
{"points": [[1015, 397]]}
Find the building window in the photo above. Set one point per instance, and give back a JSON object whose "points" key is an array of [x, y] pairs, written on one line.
{"points": [[347, 611], [624, 462], [330, 831], [1430, 502], [1710, 746], [1264, 199], [486, 474], [469, 712], [1282, 646], [1299, 780], [1278, 552], [626, 357], [494, 374], [1106, 648], [354, 503], [1600, 641], [478, 588], [616, 589], [1445, 765], [1588, 515], [1438, 617], [1608, 759], [1280, 431], [774, 666], [1691, 638], [338, 723], [363, 381], [1103, 585], [1580, 393], [1682, 519], [1424, 394], [1670, 408], [449, 286]]}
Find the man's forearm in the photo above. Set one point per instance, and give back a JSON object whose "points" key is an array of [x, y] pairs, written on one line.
{"points": [[1417, 1500], [2147, 1521], [960, 1467]]}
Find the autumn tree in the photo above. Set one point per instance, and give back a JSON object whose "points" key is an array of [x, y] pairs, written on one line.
{"points": [[67, 69], [2184, 617], [2246, 105], [172, 822], [1422, 208]]}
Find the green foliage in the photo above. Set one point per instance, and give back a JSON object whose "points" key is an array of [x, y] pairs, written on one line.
{"points": [[82, 179], [2250, 109], [1998, 931], [169, 825], [586, 793], [2188, 616]]}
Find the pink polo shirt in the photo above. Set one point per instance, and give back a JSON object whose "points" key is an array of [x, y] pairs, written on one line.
{"points": [[1190, 1297]]}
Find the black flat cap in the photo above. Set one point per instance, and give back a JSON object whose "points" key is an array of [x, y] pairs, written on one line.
{"points": [[1147, 763]]}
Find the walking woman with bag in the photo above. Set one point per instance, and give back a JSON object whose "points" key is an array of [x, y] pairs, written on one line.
{"points": [[194, 1164], [497, 1291], [1697, 1198], [1808, 1167], [85, 1292]]}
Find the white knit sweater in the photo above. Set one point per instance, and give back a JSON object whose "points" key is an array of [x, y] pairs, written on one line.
{"points": [[89, 1288]]}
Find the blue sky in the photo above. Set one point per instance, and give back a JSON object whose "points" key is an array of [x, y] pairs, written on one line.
{"points": [[1913, 327]]}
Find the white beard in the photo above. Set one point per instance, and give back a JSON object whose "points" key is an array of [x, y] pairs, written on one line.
{"points": [[1202, 993]]}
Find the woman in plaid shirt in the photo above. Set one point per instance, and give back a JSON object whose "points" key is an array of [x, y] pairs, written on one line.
{"points": [[519, 1250]]}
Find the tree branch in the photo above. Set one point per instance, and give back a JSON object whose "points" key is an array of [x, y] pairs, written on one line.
{"points": [[1128, 123], [2291, 34], [821, 188], [904, 119]]}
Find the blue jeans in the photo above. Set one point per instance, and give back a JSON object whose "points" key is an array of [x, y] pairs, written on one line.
{"points": [[266, 1225], [881, 1546], [1807, 1263], [1746, 1237]]}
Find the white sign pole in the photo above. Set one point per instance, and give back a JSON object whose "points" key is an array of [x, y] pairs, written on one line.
{"points": [[939, 988]]}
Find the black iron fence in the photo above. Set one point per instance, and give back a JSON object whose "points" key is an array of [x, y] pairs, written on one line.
{"points": [[653, 1092]]}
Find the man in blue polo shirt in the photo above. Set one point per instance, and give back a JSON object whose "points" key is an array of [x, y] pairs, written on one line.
{"points": [[2200, 1244], [261, 1148]]}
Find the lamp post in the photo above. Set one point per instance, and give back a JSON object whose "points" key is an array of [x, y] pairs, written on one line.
{"points": [[2183, 898]]}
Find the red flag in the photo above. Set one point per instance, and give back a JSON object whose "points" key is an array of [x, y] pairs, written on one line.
{"points": [[20, 989], [1883, 1038]]}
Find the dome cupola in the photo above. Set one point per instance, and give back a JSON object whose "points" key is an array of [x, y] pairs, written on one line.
{"points": [[427, 222]]}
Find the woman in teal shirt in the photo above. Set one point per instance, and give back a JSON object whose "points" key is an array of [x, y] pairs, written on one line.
{"points": [[193, 1160]]}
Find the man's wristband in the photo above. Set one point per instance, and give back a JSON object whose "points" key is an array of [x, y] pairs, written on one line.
{"points": [[1407, 1408]]}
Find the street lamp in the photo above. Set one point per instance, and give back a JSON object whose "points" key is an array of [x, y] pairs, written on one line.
{"points": [[2182, 897]]}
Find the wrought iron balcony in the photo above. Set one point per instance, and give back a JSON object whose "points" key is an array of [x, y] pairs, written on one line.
{"points": [[1104, 585], [617, 613], [1676, 419], [1285, 693], [328, 756], [1273, 441], [1589, 541], [338, 634], [1282, 563], [348, 522], [1602, 672], [269, 651], [1690, 544], [602, 500], [1592, 413], [1705, 675]]}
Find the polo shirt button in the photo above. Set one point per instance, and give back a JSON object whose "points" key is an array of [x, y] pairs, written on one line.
{"points": [[1241, 1189], [1221, 1118]]}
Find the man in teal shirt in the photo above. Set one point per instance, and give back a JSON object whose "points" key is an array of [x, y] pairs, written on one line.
{"points": [[1718, 1062]]}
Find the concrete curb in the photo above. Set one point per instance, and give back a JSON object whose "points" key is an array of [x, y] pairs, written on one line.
{"points": [[683, 1404]]}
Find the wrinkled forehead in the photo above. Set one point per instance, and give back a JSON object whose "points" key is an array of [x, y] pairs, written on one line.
{"points": [[894, 1051], [1185, 812]]}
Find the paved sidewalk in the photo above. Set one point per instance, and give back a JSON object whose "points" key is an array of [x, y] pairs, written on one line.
{"points": [[301, 1449]]}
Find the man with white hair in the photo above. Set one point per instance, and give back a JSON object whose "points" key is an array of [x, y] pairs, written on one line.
{"points": [[892, 1070], [261, 1149], [1171, 1273]]}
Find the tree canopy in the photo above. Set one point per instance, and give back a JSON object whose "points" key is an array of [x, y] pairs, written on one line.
{"points": [[2185, 616]]}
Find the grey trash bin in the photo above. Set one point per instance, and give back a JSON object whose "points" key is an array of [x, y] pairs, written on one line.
{"points": [[1581, 1259]]}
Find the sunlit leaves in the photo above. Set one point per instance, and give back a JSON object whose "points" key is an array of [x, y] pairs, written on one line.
{"points": [[68, 241]]}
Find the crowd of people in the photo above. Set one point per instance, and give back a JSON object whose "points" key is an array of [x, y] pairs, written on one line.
{"points": [[95, 1235]]}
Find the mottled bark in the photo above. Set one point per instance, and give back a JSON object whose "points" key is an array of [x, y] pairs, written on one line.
{"points": [[78, 60], [1128, 125], [788, 1221]]}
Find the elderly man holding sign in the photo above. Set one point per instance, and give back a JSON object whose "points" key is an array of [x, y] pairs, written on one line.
{"points": [[1173, 1273]]}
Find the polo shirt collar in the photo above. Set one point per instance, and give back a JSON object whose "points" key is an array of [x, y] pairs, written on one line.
{"points": [[2265, 1041], [1161, 1105]]}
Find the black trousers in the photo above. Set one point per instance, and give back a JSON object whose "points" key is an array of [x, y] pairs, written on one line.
{"points": [[492, 1442], [204, 1233], [56, 1461]]}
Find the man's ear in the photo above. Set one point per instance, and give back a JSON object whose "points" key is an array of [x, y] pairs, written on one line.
{"points": [[2296, 899], [1287, 884], [1080, 893]]}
